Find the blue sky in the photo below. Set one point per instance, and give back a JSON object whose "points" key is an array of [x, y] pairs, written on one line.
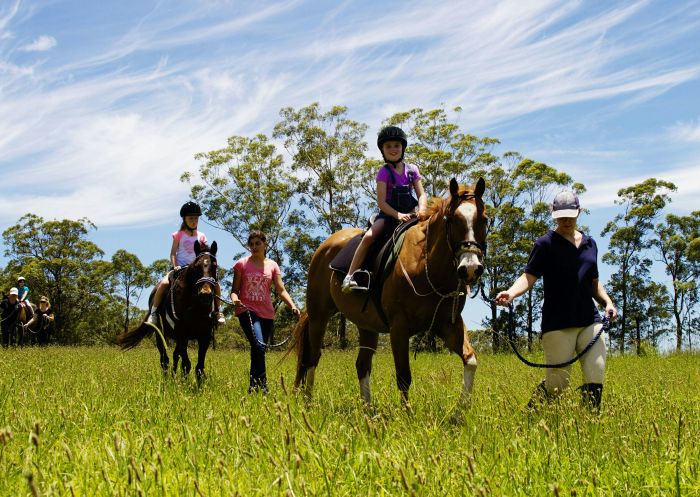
{"points": [[104, 104]]}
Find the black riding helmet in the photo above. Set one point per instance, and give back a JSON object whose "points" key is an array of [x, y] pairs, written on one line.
{"points": [[190, 209], [389, 133]]}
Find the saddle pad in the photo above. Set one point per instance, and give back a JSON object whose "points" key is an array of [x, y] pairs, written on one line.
{"points": [[379, 255]]}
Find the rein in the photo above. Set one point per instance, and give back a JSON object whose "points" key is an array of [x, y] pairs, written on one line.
{"points": [[463, 247], [250, 318], [511, 337]]}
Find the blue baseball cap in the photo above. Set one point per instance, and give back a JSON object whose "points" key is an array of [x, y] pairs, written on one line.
{"points": [[565, 204]]}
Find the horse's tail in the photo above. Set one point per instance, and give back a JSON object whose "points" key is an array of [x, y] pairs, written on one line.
{"points": [[130, 339], [301, 347]]}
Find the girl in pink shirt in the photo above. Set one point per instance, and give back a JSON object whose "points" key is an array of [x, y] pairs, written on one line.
{"points": [[182, 254], [254, 276]]}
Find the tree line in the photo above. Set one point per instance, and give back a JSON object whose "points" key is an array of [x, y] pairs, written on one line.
{"points": [[328, 183]]}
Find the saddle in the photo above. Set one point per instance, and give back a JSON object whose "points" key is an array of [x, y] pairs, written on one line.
{"points": [[380, 257]]}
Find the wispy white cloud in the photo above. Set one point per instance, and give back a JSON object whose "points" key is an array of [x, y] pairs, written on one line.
{"points": [[686, 131], [41, 44], [8, 13], [122, 121]]}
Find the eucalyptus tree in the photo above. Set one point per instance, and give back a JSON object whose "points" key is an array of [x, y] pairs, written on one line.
{"points": [[245, 186], [673, 241], [328, 153], [63, 264], [130, 278], [328, 156], [629, 237]]}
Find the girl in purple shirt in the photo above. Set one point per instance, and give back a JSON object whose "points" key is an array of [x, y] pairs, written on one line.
{"points": [[394, 198], [566, 259]]}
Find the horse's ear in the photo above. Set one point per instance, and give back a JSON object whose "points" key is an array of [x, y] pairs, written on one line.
{"points": [[479, 188], [213, 248], [197, 247], [454, 187]]}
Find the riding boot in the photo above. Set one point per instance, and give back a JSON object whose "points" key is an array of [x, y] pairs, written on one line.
{"points": [[539, 396], [591, 395]]}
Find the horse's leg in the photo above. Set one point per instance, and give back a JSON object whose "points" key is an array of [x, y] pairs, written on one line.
{"points": [[312, 342], [203, 343], [186, 363], [177, 353], [400, 351], [363, 364], [164, 360], [457, 340]]}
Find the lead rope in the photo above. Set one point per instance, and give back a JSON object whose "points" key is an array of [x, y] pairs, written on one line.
{"points": [[455, 294]]}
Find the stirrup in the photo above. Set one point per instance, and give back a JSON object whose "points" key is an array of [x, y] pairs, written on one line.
{"points": [[363, 284]]}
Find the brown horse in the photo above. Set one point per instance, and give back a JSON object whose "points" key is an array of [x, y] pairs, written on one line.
{"points": [[441, 256], [186, 313]]}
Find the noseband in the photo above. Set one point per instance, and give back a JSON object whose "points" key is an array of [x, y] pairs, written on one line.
{"points": [[205, 279]]}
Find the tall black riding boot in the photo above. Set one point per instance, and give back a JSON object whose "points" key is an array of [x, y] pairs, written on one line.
{"points": [[591, 395]]}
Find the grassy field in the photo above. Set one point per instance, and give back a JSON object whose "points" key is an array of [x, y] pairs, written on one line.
{"points": [[97, 421]]}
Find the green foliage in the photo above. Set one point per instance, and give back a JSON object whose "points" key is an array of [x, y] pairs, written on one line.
{"points": [[629, 241], [245, 187], [674, 243], [130, 278], [328, 154], [97, 421], [61, 263]]}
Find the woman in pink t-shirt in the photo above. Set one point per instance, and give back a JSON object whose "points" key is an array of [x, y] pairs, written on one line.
{"points": [[254, 276]]}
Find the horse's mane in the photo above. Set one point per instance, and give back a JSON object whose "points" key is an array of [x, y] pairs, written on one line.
{"points": [[439, 206]]}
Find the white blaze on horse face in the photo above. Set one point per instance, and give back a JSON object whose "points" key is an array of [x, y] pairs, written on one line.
{"points": [[468, 261]]}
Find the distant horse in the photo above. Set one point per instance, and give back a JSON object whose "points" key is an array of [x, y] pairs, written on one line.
{"points": [[440, 257], [186, 313], [14, 325]]}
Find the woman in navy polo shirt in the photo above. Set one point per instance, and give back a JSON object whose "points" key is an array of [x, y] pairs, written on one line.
{"points": [[567, 260]]}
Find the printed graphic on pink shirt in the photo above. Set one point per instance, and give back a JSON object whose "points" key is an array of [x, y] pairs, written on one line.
{"points": [[257, 287]]}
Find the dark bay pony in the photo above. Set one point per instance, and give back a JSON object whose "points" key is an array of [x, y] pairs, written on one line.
{"points": [[186, 313], [441, 256], [14, 324]]}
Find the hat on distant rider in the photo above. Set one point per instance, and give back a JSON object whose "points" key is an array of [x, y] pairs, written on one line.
{"points": [[21, 278], [44, 299], [190, 209], [14, 291]]}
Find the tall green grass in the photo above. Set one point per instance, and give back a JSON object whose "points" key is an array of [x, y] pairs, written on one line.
{"points": [[97, 421]]}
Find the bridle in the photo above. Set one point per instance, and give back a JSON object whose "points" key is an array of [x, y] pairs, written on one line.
{"points": [[464, 246], [457, 250], [198, 283]]}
